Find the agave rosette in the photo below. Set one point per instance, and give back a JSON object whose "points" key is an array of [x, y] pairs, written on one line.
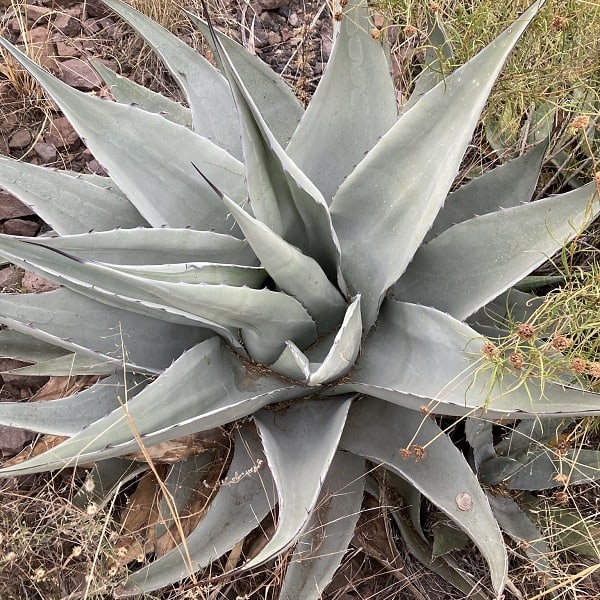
{"points": [[308, 269]]}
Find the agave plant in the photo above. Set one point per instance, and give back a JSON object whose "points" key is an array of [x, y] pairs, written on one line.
{"points": [[305, 272]]}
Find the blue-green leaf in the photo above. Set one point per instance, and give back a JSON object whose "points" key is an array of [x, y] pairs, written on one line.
{"points": [[207, 92], [353, 106], [68, 203], [442, 474], [395, 193]]}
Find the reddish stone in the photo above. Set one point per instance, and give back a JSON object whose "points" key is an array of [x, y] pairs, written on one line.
{"points": [[20, 139], [79, 74], [62, 134], [12, 208], [21, 227]]}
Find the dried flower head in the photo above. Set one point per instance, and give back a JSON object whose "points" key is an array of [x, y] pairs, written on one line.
{"points": [[579, 123], [593, 370], [434, 7], [578, 365], [560, 497], [525, 331], [338, 16], [561, 343], [375, 33], [405, 453], [343, 3], [559, 23], [490, 350], [561, 478], [410, 31], [563, 445], [517, 360], [425, 409], [420, 452]]}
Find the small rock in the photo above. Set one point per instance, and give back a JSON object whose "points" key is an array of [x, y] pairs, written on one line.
{"points": [[12, 208], [67, 48], [10, 278], [20, 139], [269, 4], [378, 20], [36, 13], [47, 152], [21, 227], [79, 74], [293, 19], [273, 38], [34, 283], [95, 8], [95, 167], [67, 24], [13, 440], [61, 134]]}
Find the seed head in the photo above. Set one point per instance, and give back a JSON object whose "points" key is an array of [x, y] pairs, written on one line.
{"points": [[410, 31], [559, 23], [579, 123], [405, 453], [517, 360], [375, 33], [561, 478], [434, 7], [561, 343], [338, 16], [560, 497], [525, 331], [420, 453], [490, 350], [593, 370], [578, 365]]}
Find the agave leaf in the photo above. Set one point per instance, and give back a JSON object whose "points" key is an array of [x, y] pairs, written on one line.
{"points": [[180, 483], [275, 100], [68, 204], [299, 444], [104, 480], [292, 271], [479, 434], [281, 195], [458, 272], [568, 528], [398, 206], [531, 433], [326, 537], [443, 476], [541, 469], [127, 91], [522, 530], [164, 192], [20, 346], [207, 92], [239, 506], [210, 387], [352, 107], [81, 325], [433, 68], [444, 566], [447, 538], [511, 305], [69, 365], [341, 355], [197, 273], [344, 349], [293, 363], [68, 416], [505, 186], [154, 246], [268, 318], [438, 355]]}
